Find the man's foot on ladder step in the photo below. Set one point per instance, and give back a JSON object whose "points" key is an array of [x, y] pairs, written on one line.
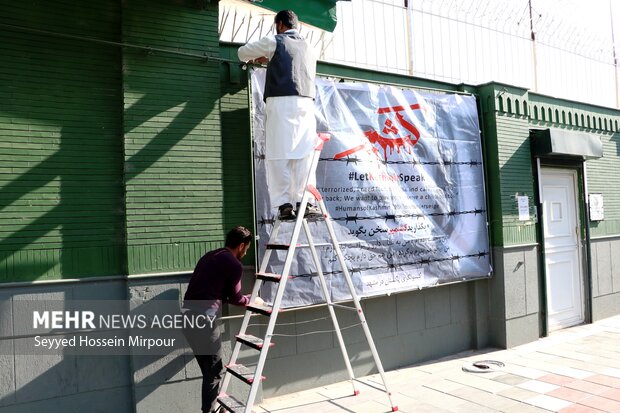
{"points": [[286, 213], [311, 212]]}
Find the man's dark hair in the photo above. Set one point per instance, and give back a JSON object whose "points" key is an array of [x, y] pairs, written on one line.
{"points": [[237, 236], [288, 18]]}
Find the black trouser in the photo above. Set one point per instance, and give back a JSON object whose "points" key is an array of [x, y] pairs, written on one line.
{"points": [[206, 345], [212, 369]]}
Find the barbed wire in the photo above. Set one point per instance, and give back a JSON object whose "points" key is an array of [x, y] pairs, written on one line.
{"points": [[394, 266], [356, 160], [570, 48], [393, 217], [387, 217], [550, 23]]}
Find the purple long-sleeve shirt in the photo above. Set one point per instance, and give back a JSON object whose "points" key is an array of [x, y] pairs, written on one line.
{"points": [[216, 279]]}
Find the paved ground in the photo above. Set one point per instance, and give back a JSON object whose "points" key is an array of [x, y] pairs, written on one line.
{"points": [[573, 370]]}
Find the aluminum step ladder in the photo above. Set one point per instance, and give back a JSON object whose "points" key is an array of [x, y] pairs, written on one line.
{"points": [[253, 377]]}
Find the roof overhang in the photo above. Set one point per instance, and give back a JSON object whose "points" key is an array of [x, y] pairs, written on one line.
{"points": [[560, 143]]}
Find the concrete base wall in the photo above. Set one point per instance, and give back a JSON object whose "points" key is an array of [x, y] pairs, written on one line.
{"points": [[407, 328], [516, 315], [605, 278], [60, 383], [514, 291]]}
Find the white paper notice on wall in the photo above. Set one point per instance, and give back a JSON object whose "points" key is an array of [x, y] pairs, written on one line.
{"points": [[523, 204], [392, 281], [597, 212]]}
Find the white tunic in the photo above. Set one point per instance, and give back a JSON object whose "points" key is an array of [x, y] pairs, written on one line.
{"points": [[290, 124]]}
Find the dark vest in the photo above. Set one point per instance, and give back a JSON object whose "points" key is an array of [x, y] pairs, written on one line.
{"points": [[292, 68]]}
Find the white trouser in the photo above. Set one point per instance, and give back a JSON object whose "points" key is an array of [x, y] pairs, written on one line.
{"points": [[286, 179]]}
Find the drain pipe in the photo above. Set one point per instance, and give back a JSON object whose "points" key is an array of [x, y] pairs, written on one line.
{"points": [[588, 247], [541, 262]]}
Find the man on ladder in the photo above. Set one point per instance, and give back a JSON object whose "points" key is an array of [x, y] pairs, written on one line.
{"points": [[290, 125]]}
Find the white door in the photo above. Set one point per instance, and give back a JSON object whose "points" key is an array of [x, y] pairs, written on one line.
{"points": [[564, 281]]}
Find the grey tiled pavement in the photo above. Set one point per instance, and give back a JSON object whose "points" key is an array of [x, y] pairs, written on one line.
{"points": [[573, 370]]}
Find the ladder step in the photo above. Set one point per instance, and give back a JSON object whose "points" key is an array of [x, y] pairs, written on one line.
{"points": [[230, 403], [260, 309], [315, 218], [242, 373], [284, 247], [267, 276], [252, 341], [311, 218]]}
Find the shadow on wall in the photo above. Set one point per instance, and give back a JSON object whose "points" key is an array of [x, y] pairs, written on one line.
{"points": [[62, 188], [71, 202], [237, 170]]}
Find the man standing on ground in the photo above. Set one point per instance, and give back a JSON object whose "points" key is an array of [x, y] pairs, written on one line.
{"points": [[290, 125], [216, 279]]}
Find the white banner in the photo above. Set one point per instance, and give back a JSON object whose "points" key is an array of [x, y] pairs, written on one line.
{"points": [[402, 177]]}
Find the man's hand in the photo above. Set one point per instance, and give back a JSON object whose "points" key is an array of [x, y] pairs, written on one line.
{"points": [[259, 301], [259, 61]]}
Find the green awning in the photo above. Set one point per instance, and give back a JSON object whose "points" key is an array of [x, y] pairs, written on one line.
{"points": [[562, 143], [318, 13]]}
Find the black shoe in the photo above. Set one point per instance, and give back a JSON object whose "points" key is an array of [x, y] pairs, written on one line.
{"points": [[311, 211], [285, 212]]}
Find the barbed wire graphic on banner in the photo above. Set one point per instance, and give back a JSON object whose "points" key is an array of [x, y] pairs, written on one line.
{"points": [[394, 266]]}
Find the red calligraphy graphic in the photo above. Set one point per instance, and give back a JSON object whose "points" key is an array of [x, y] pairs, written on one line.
{"points": [[397, 133], [397, 108]]}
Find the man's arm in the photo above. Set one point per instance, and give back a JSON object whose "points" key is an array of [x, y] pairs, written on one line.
{"points": [[233, 286], [263, 48]]}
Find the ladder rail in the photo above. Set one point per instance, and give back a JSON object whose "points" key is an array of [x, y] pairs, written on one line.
{"points": [[248, 315], [242, 330], [356, 301], [301, 223], [332, 313], [277, 302], [285, 273]]}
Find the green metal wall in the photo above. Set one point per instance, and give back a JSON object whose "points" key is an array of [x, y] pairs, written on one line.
{"points": [[602, 178], [546, 112], [173, 162], [111, 157], [508, 163], [61, 211], [509, 113], [516, 173]]}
